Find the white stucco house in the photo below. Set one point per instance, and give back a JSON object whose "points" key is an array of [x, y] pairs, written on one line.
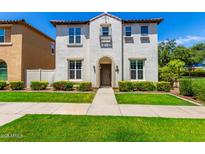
{"points": [[106, 49]]}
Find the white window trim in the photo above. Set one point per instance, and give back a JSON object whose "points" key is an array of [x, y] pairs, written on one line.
{"points": [[6, 44], [126, 31], [137, 70], [75, 70], [73, 44], [4, 35]]}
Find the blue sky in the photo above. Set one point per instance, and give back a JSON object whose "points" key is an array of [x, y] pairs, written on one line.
{"points": [[186, 28]]}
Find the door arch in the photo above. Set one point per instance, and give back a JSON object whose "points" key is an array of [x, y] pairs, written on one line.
{"points": [[105, 71], [3, 70]]}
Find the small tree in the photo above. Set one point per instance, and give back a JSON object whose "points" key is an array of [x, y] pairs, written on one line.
{"points": [[172, 71], [189, 56], [165, 50]]}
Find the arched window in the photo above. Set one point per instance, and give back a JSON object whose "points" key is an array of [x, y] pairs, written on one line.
{"points": [[3, 70]]}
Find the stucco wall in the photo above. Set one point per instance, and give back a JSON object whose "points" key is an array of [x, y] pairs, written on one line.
{"points": [[36, 52], [140, 50], [114, 53], [11, 53], [91, 51], [65, 52], [26, 50]]}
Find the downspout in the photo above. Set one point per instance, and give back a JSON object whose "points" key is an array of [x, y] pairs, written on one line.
{"points": [[122, 55]]}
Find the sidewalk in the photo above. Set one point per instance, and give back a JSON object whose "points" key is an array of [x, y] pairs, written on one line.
{"points": [[103, 104]]}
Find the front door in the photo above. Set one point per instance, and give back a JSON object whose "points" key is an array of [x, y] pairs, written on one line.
{"points": [[105, 74]]}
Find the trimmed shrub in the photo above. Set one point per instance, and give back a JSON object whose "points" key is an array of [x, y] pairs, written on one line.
{"points": [[198, 88], [125, 85], [17, 85], [196, 73], [136, 86], [39, 85], [163, 86], [63, 85], [143, 86], [85, 86], [185, 87], [3, 84]]}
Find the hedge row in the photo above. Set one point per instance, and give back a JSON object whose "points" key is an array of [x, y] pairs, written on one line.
{"points": [[42, 85], [63, 85], [3, 85], [195, 73], [144, 86], [192, 87], [39, 85], [68, 86], [14, 85]]}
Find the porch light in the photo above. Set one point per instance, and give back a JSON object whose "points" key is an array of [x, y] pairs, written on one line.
{"points": [[117, 69]]}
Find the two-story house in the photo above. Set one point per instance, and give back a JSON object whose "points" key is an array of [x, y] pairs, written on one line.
{"points": [[23, 47], [106, 49]]}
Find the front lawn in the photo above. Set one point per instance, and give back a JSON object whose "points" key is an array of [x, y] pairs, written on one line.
{"points": [[150, 99], [46, 97], [102, 128]]}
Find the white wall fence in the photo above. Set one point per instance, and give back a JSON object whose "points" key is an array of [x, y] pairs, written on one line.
{"points": [[39, 75]]}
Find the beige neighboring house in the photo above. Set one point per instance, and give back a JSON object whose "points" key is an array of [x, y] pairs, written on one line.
{"points": [[107, 49], [23, 47]]}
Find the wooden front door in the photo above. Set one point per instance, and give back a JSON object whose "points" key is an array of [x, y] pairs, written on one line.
{"points": [[105, 74]]}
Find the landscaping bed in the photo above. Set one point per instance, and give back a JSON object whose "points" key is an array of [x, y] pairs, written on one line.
{"points": [[150, 99], [46, 97], [63, 128]]}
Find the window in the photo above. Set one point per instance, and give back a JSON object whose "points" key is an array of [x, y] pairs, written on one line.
{"points": [[52, 48], [2, 35], [3, 71], [128, 31], [144, 30], [74, 35], [105, 31], [75, 70], [136, 69]]}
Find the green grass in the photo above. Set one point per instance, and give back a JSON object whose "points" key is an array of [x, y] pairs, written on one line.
{"points": [[150, 99], [99, 128], [46, 97]]}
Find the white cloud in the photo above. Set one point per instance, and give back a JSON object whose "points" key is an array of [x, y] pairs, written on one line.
{"points": [[189, 39]]}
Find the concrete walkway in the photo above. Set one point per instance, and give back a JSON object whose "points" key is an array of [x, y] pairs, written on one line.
{"points": [[103, 104]]}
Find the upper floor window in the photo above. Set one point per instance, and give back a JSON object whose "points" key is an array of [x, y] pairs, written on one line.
{"points": [[128, 31], [105, 31], [2, 35], [144, 30], [75, 35], [52, 48]]}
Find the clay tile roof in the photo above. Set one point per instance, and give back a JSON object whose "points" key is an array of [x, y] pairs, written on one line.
{"points": [[77, 22], [106, 14], [23, 22], [66, 22], [152, 20]]}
